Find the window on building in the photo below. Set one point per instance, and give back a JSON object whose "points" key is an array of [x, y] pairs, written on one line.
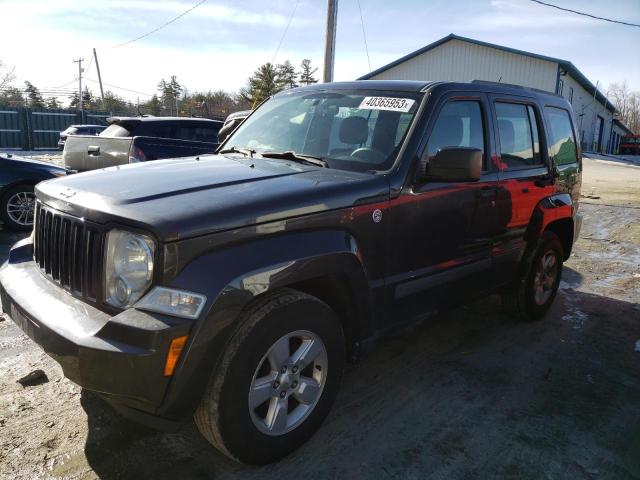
{"points": [[459, 124], [560, 87], [518, 134], [563, 141], [571, 95]]}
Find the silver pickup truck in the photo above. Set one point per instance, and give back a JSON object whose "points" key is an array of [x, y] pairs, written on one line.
{"points": [[140, 139]]}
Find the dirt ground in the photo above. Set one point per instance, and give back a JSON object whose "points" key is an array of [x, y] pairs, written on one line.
{"points": [[471, 393]]}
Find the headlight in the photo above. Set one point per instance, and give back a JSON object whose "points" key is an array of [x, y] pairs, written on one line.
{"points": [[128, 260]]}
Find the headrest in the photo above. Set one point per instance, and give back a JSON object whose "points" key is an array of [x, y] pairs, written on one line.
{"points": [[354, 130], [507, 135]]}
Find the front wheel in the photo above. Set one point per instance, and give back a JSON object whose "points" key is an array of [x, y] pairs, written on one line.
{"points": [[539, 280], [277, 379], [17, 207]]}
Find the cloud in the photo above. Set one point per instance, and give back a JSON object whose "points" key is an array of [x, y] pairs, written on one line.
{"points": [[220, 13], [516, 15]]}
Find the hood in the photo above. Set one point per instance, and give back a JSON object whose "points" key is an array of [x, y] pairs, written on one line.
{"points": [[182, 198]]}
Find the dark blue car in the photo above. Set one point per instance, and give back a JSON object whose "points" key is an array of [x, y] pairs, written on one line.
{"points": [[18, 176]]}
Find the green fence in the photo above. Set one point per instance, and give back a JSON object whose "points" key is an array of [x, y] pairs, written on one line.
{"points": [[39, 129]]}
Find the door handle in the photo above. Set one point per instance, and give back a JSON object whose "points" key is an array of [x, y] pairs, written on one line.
{"points": [[486, 192], [543, 182], [93, 150]]}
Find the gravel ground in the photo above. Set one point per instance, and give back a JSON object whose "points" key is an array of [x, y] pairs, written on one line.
{"points": [[471, 393]]}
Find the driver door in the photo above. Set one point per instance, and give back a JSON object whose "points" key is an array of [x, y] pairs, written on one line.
{"points": [[442, 232]]}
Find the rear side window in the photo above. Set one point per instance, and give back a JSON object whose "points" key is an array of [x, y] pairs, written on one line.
{"points": [[114, 130], [563, 141], [518, 134], [198, 134], [156, 129], [459, 124]]}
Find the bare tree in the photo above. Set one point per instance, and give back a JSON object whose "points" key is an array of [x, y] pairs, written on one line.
{"points": [[627, 103], [7, 75]]}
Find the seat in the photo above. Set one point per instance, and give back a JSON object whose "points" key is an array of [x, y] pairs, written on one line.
{"points": [[353, 131]]}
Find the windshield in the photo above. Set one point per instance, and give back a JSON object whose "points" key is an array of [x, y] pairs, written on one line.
{"points": [[115, 130], [360, 131]]}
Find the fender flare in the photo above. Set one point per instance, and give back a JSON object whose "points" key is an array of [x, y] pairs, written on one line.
{"points": [[252, 269], [550, 209]]}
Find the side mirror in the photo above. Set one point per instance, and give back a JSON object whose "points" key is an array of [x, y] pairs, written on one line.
{"points": [[454, 164]]}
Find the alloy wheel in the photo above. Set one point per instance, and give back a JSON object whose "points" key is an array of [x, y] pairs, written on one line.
{"points": [[545, 277], [20, 208], [288, 382]]}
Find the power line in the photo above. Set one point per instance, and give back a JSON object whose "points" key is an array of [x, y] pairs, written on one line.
{"points": [[68, 83], [119, 88], [161, 26], [364, 35], [90, 62], [42, 92], [586, 14], [286, 29]]}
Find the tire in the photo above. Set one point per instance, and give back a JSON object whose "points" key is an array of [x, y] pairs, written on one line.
{"points": [[255, 435], [533, 295], [10, 207]]}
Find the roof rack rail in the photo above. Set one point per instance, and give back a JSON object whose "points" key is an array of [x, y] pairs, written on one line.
{"points": [[513, 85]]}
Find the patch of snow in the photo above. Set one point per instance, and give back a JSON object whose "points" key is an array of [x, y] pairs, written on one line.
{"points": [[574, 315], [576, 318]]}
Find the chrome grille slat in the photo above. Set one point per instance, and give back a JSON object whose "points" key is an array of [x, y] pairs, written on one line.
{"points": [[68, 250]]}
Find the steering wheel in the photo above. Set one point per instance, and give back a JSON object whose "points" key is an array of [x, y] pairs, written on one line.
{"points": [[370, 155]]}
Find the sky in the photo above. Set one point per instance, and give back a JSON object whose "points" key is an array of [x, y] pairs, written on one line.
{"points": [[220, 43]]}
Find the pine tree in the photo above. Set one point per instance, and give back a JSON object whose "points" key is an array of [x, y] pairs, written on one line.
{"points": [[153, 106], [262, 84], [114, 103], [53, 103], [74, 100], [287, 75], [170, 92], [34, 97], [88, 100], [306, 76]]}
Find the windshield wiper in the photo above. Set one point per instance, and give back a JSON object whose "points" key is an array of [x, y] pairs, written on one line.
{"points": [[246, 151], [297, 157]]}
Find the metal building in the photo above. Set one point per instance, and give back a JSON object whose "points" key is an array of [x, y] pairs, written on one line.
{"points": [[456, 58]]}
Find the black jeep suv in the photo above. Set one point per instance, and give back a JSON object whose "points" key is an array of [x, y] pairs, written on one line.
{"points": [[234, 286]]}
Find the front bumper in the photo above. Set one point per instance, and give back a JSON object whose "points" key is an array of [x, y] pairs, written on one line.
{"points": [[120, 357]]}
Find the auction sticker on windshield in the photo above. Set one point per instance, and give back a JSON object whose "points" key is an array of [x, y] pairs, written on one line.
{"points": [[387, 103]]}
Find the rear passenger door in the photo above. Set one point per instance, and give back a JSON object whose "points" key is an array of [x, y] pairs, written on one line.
{"points": [[523, 170], [564, 149]]}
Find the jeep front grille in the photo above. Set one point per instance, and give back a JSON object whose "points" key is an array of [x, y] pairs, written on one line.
{"points": [[69, 251]]}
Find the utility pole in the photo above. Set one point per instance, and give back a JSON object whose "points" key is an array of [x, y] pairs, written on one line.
{"points": [[330, 40], [79, 62], [95, 57]]}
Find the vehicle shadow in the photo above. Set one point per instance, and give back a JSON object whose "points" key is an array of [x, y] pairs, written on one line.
{"points": [[471, 393], [7, 239]]}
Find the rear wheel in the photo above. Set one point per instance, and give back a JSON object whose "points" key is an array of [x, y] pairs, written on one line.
{"points": [[538, 284], [17, 207], [277, 379]]}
